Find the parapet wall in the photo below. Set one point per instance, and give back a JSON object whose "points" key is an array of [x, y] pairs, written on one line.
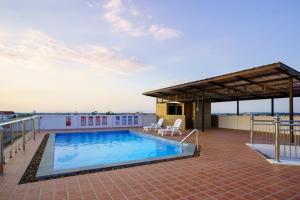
{"points": [[52, 122], [240, 122]]}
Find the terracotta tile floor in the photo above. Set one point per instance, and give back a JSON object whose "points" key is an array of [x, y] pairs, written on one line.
{"points": [[226, 169]]}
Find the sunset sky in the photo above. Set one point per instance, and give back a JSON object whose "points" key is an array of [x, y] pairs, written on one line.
{"points": [[85, 55]]}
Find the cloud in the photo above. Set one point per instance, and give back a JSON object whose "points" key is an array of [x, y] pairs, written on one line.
{"points": [[119, 23], [162, 33], [38, 51], [120, 16]]}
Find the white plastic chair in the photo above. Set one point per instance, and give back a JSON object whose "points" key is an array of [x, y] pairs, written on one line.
{"points": [[154, 126], [172, 129]]}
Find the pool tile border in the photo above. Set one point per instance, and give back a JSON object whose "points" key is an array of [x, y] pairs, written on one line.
{"points": [[46, 171]]}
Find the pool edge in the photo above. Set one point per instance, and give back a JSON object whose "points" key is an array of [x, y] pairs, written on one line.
{"points": [[45, 170]]}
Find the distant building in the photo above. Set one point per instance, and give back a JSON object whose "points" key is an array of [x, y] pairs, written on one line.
{"points": [[6, 115]]}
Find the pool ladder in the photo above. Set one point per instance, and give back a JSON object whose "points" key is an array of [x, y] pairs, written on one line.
{"points": [[186, 137]]}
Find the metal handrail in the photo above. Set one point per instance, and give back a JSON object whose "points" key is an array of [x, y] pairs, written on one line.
{"points": [[289, 125], [294, 121], [262, 120], [278, 135], [264, 123], [18, 120], [186, 137], [11, 123]]}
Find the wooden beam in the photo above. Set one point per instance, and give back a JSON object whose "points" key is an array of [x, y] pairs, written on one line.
{"points": [[287, 73], [260, 84], [180, 91], [207, 91], [232, 88]]}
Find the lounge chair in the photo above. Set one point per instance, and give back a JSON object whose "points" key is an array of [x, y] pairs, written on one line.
{"points": [[154, 126], [172, 129]]}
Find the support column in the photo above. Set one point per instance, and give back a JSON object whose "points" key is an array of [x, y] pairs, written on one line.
{"points": [[291, 106], [237, 107], [272, 106]]}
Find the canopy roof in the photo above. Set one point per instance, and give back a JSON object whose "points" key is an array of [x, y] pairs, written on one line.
{"points": [[267, 81]]}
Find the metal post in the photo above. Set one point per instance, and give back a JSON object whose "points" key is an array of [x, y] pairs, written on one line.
{"points": [[33, 128], [39, 118], [272, 106], [251, 128], [277, 138], [18, 136], [1, 151], [237, 107], [23, 135], [291, 111], [11, 140]]}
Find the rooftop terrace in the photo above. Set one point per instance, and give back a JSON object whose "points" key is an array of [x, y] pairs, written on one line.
{"points": [[226, 169]]}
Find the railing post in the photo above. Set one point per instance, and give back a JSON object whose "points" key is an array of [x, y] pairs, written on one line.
{"points": [[33, 128], [251, 128], [39, 118], [277, 138], [11, 140], [23, 135], [1, 151]]}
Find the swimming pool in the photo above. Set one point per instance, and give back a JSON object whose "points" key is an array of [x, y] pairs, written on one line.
{"points": [[74, 152]]}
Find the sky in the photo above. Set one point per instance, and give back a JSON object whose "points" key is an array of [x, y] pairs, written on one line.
{"points": [[86, 55]]}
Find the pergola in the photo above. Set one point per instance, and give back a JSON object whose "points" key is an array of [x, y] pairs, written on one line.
{"points": [[271, 81]]}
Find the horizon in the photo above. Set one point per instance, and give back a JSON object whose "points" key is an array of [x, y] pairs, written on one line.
{"points": [[103, 54]]}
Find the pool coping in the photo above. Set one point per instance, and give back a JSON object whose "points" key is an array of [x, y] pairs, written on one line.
{"points": [[45, 169]]}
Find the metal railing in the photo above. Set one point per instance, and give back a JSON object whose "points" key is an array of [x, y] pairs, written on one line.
{"points": [[15, 132], [186, 137], [262, 131], [283, 134]]}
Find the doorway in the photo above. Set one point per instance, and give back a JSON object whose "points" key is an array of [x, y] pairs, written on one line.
{"points": [[188, 111]]}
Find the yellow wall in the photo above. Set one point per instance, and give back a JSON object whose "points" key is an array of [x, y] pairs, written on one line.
{"points": [[161, 112]]}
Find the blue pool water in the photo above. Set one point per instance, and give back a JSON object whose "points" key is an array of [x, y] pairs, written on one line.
{"points": [[75, 150]]}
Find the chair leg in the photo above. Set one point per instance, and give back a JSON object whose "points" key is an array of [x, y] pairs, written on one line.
{"points": [[179, 132]]}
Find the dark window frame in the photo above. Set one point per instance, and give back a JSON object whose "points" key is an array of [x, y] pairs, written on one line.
{"points": [[174, 109]]}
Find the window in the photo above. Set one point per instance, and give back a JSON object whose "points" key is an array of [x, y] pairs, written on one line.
{"points": [[91, 119], [104, 120], [117, 120], [123, 120], [98, 121], [68, 120], [83, 121], [174, 109], [136, 120], [129, 120]]}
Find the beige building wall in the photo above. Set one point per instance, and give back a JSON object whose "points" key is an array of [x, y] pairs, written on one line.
{"points": [[243, 122]]}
